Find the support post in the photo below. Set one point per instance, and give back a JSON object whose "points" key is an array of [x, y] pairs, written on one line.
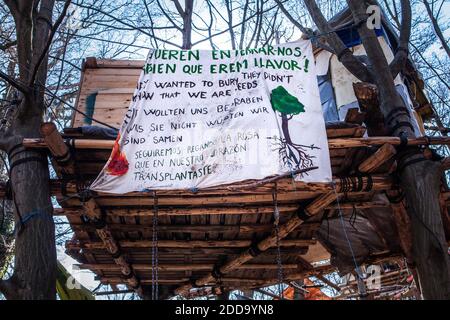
{"points": [[376, 160], [93, 211]]}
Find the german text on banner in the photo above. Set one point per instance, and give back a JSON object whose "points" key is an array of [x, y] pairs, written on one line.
{"points": [[204, 118]]}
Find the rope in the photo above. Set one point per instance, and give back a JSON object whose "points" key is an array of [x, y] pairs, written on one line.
{"points": [[357, 267], [155, 248], [12, 165]]}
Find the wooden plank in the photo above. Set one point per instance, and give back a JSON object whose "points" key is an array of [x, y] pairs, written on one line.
{"points": [[113, 63], [76, 245], [162, 212], [196, 201], [376, 160], [355, 116], [182, 267]]}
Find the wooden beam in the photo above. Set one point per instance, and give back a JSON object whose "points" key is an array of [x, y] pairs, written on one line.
{"points": [[213, 253], [236, 210], [58, 148], [376, 160], [249, 282], [189, 228], [284, 185], [358, 205], [314, 208], [220, 196], [355, 116], [93, 211], [182, 267], [190, 211], [332, 143], [379, 141], [120, 280], [188, 244]]}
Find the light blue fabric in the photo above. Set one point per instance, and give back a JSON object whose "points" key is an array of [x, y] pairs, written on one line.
{"points": [[327, 99]]}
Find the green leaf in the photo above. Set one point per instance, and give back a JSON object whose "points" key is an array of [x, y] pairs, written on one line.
{"points": [[285, 103]]}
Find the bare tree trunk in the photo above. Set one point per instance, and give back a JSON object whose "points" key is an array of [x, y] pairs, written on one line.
{"points": [[35, 255], [35, 267], [420, 178], [421, 185], [187, 24]]}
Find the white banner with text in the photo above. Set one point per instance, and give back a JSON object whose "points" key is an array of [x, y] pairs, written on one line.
{"points": [[202, 118]]}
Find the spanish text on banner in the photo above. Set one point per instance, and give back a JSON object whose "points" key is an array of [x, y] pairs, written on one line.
{"points": [[204, 118]]}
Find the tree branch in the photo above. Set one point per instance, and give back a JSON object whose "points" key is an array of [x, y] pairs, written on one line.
{"points": [[15, 83], [49, 42], [345, 56], [168, 17], [256, 14], [292, 20], [8, 45], [179, 8], [132, 27], [243, 26], [436, 27], [401, 55]]}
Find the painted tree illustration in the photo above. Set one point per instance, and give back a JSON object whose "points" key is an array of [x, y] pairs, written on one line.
{"points": [[287, 106]]}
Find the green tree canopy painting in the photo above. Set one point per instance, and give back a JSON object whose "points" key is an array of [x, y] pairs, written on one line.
{"points": [[287, 106], [285, 103]]}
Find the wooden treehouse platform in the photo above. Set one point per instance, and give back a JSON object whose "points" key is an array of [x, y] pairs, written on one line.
{"points": [[221, 237]]}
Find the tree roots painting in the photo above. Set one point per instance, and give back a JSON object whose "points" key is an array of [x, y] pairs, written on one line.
{"points": [[293, 155]]}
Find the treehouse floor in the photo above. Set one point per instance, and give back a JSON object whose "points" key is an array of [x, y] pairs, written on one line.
{"points": [[224, 237]]}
